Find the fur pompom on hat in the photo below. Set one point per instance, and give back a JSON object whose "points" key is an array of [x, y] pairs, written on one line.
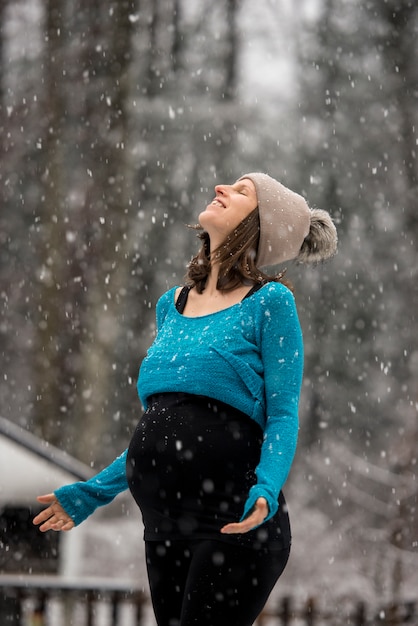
{"points": [[289, 229]]}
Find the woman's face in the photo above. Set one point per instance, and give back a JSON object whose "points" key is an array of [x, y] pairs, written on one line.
{"points": [[230, 206]]}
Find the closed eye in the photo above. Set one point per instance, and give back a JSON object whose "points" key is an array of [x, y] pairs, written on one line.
{"points": [[243, 191]]}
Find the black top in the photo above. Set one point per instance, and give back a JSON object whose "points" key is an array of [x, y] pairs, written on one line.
{"points": [[184, 294]]}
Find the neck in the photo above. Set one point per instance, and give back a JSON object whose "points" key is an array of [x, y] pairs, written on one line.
{"points": [[212, 281]]}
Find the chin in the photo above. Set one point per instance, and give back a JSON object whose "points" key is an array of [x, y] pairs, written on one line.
{"points": [[203, 217]]}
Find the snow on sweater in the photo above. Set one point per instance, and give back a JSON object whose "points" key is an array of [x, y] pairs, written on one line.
{"points": [[249, 355]]}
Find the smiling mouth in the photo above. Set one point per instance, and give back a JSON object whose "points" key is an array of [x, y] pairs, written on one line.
{"points": [[217, 202]]}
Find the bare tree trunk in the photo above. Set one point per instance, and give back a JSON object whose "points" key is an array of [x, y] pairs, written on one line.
{"points": [[106, 228], [231, 33], [153, 79], [400, 50], [3, 7], [51, 374], [177, 41]]}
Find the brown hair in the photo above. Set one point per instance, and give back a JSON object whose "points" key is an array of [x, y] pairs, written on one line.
{"points": [[236, 257]]}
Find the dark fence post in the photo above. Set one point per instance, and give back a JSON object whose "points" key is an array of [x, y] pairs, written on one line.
{"points": [[139, 603], [286, 611], [310, 612], [20, 618], [115, 600], [139, 614], [360, 615], [38, 616], [90, 607]]}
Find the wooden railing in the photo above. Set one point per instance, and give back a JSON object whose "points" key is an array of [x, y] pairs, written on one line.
{"points": [[52, 601], [312, 613]]}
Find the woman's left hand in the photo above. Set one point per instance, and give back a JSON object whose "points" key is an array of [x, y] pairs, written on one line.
{"points": [[256, 518]]}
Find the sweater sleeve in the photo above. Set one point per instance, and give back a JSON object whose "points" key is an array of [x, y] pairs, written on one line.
{"points": [[282, 355], [81, 499]]}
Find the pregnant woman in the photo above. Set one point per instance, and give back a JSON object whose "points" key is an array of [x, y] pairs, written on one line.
{"points": [[220, 386]]}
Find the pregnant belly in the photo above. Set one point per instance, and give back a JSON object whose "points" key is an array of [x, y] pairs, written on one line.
{"points": [[194, 459]]}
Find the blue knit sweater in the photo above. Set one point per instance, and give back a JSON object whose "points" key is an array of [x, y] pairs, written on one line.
{"points": [[249, 355]]}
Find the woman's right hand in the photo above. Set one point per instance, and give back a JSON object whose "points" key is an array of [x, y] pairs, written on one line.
{"points": [[54, 516]]}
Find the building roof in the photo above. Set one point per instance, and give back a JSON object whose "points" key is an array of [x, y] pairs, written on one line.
{"points": [[30, 466]]}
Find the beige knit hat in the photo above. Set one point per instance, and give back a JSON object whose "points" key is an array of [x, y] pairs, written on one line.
{"points": [[289, 229]]}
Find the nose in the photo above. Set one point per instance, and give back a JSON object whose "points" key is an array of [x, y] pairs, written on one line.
{"points": [[221, 189]]}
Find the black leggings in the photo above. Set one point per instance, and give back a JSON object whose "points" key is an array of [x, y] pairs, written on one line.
{"points": [[209, 582]]}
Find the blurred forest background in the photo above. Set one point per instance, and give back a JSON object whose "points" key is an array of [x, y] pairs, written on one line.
{"points": [[117, 119]]}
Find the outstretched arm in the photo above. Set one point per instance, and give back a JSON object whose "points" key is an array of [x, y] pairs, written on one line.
{"points": [[71, 504]]}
